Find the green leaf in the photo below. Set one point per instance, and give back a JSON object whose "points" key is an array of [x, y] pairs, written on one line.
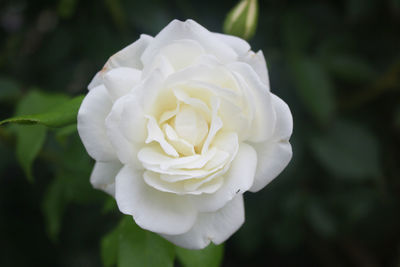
{"points": [[297, 32], [110, 205], [53, 205], [29, 143], [242, 19], [359, 9], [314, 88], [31, 139], [321, 219], [117, 13], [348, 150], [38, 102], [70, 185], [9, 89], [109, 248], [129, 245], [350, 68], [66, 8], [62, 115], [211, 256], [138, 247]]}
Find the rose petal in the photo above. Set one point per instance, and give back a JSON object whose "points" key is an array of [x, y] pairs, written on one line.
{"points": [[257, 62], [119, 81], [153, 97], [191, 125], [240, 46], [133, 121], [275, 154], [91, 124], [154, 180], [125, 150], [130, 55], [103, 176], [181, 145], [154, 155], [154, 133], [196, 103], [152, 210], [213, 227], [216, 124], [178, 30], [206, 77], [259, 98], [96, 81], [238, 179], [284, 120], [179, 53], [272, 159], [226, 145], [176, 169]]}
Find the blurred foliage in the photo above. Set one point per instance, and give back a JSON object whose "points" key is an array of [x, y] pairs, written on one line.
{"points": [[337, 65], [211, 256], [128, 245]]}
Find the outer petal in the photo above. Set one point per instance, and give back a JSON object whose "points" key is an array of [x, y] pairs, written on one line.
{"points": [[127, 57], [119, 81], [257, 62], [130, 55], [178, 30], [240, 46], [179, 53], [274, 155], [272, 158], [259, 97], [284, 120], [96, 81], [153, 210], [238, 179], [133, 122], [91, 124], [213, 227], [103, 176], [126, 150]]}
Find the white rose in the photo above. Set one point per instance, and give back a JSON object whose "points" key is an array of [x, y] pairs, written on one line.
{"points": [[180, 126]]}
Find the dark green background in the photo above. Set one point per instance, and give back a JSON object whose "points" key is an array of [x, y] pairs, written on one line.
{"points": [[337, 65]]}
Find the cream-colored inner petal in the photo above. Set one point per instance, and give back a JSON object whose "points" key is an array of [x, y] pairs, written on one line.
{"points": [[190, 125], [193, 134]]}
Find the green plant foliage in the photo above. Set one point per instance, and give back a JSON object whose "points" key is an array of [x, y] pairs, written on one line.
{"points": [[128, 245], [53, 206], [211, 256], [109, 248], [297, 33], [9, 89], [311, 80], [66, 8], [70, 184], [350, 68], [31, 139], [29, 143], [348, 150], [321, 219], [335, 63], [62, 115], [314, 88]]}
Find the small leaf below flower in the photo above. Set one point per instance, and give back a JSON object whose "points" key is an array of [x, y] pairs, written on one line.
{"points": [[211, 256], [128, 245]]}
